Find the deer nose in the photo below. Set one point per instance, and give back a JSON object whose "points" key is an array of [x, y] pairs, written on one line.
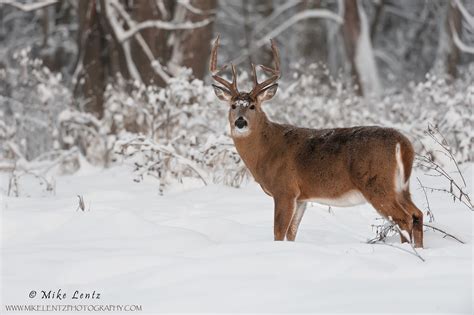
{"points": [[240, 122]]}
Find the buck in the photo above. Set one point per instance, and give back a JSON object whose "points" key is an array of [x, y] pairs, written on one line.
{"points": [[337, 167]]}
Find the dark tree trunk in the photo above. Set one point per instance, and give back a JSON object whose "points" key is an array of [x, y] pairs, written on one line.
{"points": [[102, 57], [377, 19], [194, 45], [91, 47], [351, 32], [314, 35], [265, 54], [156, 39]]}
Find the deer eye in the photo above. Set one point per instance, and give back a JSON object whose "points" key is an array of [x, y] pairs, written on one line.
{"points": [[252, 107], [233, 106]]}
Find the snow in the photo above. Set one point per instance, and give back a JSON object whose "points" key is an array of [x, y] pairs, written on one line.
{"points": [[210, 249]]}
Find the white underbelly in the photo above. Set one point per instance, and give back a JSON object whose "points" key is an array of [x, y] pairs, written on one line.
{"points": [[351, 198]]}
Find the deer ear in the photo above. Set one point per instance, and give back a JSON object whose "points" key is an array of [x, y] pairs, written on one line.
{"points": [[222, 93], [267, 93]]}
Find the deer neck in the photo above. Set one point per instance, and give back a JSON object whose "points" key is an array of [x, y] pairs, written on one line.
{"points": [[254, 147]]}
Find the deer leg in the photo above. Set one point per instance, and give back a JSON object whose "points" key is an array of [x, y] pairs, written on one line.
{"points": [[295, 222], [417, 218], [393, 210], [284, 211], [405, 223]]}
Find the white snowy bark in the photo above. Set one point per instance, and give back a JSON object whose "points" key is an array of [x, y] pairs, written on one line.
{"points": [[365, 58], [176, 58]]}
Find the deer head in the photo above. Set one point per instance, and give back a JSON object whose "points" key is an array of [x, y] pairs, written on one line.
{"points": [[245, 108]]}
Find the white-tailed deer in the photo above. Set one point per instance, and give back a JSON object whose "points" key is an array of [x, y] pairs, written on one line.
{"points": [[339, 167]]}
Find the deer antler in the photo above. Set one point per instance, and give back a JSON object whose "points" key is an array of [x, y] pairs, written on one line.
{"points": [[275, 73], [231, 86]]}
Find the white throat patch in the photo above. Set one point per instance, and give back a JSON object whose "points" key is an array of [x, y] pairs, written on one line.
{"points": [[240, 132]]}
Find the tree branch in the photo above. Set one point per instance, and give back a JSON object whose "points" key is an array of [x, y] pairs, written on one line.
{"points": [[445, 233], [193, 9], [463, 47], [156, 65], [126, 35], [308, 14], [466, 15], [28, 7], [279, 11]]}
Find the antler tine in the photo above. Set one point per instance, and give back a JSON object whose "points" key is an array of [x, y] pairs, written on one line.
{"points": [[276, 56], [254, 75], [234, 77], [231, 86], [213, 61], [275, 72]]}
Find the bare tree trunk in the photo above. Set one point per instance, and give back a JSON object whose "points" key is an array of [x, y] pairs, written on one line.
{"points": [[351, 32], [375, 22], [102, 56], [453, 24], [91, 47], [314, 35], [356, 30], [156, 39], [265, 54], [247, 29], [192, 47]]}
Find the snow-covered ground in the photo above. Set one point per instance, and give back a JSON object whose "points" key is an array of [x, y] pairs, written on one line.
{"points": [[210, 249]]}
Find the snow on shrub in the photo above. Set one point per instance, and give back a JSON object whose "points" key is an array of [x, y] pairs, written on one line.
{"points": [[31, 98], [172, 132], [181, 130]]}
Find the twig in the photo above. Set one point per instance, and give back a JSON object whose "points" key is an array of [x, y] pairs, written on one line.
{"points": [[429, 212], [142, 144], [444, 144], [401, 248], [429, 164], [383, 232], [409, 241], [444, 232], [81, 204], [187, 4]]}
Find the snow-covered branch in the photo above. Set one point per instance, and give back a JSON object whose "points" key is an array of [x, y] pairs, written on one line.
{"points": [[170, 26], [278, 11], [308, 14], [193, 9], [304, 15], [118, 31], [458, 42], [28, 7], [465, 14], [162, 8], [155, 164]]}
